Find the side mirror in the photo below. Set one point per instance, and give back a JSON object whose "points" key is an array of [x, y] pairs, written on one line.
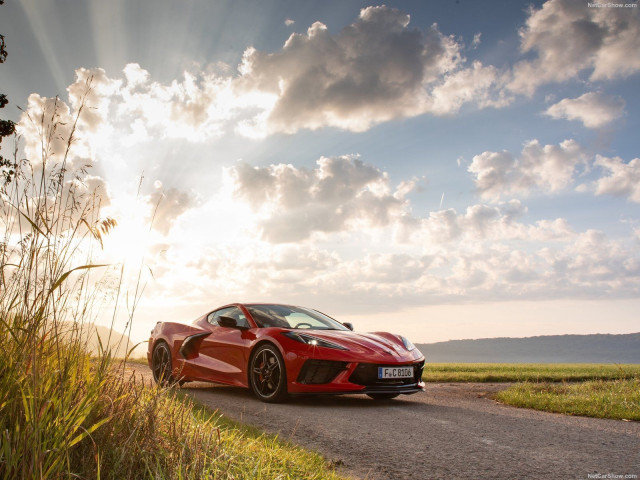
{"points": [[348, 325], [229, 322]]}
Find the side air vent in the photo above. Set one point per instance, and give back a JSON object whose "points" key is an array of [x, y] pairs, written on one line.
{"points": [[189, 348]]}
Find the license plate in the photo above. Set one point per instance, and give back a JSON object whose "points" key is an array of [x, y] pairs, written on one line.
{"points": [[395, 372]]}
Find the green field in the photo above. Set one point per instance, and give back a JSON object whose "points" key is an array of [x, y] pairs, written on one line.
{"points": [[603, 391], [526, 372], [619, 399]]}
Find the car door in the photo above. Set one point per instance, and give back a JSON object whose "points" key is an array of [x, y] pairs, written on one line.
{"points": [[224, 353]]}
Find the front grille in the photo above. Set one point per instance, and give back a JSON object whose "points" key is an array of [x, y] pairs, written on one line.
{"points": [[367, 374], [320, 371]]}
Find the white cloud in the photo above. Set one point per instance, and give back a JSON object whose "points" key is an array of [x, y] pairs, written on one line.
{"points": [[470, 85], [168, 206], [485, 222], [622, 179], [374, 70], [240, 244], [567, 37], [476, 40], [377, 69], [593, 109], [288, 22], [593, 265], [198, 107], [93, 89], [50, 120], [549, 168], [342, 193]]}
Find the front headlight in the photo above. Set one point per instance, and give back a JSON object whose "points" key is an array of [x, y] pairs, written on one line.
{"points": [[407, 344], [313, 341]]}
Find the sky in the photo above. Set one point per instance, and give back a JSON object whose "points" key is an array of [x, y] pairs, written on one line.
{"points": [[436, 169]]}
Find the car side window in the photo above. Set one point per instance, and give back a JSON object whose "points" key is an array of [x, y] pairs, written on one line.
{"points": [[233, 312], [211, 318]]}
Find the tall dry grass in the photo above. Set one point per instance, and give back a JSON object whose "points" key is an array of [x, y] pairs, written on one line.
{"points": [[63, 413], [49, 386]]}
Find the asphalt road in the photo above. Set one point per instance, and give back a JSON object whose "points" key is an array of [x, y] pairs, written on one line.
{"points": [[451, 431]]}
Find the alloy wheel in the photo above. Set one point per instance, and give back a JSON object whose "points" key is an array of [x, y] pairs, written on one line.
{"points": [[268, 379]]}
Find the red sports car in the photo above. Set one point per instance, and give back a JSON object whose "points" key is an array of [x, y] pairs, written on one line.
{"points": [[281, 350]]}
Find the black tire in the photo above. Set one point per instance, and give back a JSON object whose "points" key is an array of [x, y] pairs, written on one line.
{"points": [[267, 374], [383, 396], [161, 364]]}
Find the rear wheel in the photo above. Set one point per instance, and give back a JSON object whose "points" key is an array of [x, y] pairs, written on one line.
{"points": [[267, 374], [161, 364], [383, 396]]}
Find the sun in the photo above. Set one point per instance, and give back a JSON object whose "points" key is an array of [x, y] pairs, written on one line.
{"points": [[131, 240]]}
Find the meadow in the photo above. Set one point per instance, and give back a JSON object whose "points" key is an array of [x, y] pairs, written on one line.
{"points": [[617, 399], [602, 391], [526, 372]]}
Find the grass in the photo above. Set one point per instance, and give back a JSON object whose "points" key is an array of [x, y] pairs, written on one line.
{"points": [[259, 455], [138, 360], [63, 413], [532, 372], [602, 391], [618, 399]]}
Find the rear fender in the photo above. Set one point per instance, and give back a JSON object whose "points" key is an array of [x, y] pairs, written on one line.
{"points": [[175, 335]]}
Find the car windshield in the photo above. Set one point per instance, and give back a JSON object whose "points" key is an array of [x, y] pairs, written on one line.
{"points": [[292, 317]]}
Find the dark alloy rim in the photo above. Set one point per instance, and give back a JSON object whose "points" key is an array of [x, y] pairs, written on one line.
{"points": [[266, 373], [161, 364]]}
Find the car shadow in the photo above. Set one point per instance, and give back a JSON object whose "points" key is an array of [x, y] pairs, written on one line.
{"points": [[307, 401]]}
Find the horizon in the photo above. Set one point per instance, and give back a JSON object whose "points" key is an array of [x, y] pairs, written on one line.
{"points": [[433, 169]]}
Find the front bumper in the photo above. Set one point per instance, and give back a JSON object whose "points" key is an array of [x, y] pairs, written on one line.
{"points": [[324, 377]]}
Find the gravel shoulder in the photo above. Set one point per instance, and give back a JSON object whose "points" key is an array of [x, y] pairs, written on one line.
{"points": [[450, 431]]}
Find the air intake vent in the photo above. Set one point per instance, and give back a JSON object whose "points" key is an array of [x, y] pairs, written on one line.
{"points": [[320, 371]]}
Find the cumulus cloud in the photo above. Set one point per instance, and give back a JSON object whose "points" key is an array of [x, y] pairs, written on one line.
{"points": [[92, 90], [168, 205], [567, 37], [548, 168], [593, 109], [340, 194], [594, 265], [486, 222], [474, 84], [197, 107], [375, 70], [584, 264], [621, 179], [50, 120], [292, 233]]}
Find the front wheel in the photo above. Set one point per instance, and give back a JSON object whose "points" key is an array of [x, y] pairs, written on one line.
{"points": [[383, 396], [267, 374]]}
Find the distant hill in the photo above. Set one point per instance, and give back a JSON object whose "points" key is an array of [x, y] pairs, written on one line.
{"points": [[599, 348], [118, 342]]}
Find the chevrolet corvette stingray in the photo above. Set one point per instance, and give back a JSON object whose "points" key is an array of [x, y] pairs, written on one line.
{"points": [[281, 350]]}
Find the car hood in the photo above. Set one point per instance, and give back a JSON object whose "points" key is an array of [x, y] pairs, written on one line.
{"points": [[377, 346]]}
